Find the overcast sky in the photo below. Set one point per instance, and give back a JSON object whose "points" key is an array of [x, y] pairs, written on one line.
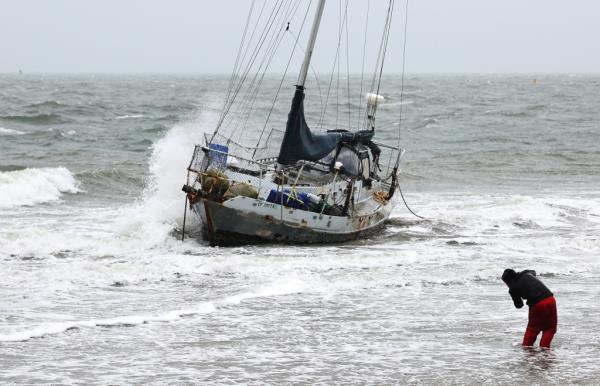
{"points": [[202, 36]]}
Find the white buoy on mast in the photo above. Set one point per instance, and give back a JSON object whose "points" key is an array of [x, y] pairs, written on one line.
{"points": [[373, 100]]}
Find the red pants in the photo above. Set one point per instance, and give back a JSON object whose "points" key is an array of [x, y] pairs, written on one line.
{"points": [[542, 317]]}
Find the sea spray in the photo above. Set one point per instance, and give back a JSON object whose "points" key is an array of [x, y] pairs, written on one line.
{"points": [[161, 207]]}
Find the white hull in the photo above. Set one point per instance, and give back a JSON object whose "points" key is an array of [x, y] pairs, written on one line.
{"points": [[244, 219]]}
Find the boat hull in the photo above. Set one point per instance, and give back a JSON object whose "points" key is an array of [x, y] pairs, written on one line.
{"points": [[247, 221]]}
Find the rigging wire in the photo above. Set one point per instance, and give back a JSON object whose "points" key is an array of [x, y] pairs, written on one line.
{"points": [[272, 45], [254, 87], [401, 103], [253, 90], [237, 67], [244, 108], [284, 74], [241, 78], [335, 62], [385, 42], [381, 55], [348, 70], [248, 67], [238, 56], [337, 83], [362, 71], [403, 68], [312, 68]]}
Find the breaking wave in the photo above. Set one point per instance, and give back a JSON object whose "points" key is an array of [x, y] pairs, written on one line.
{"points": [[160, 210], [122, 230], [48, 103], [35, 186]]}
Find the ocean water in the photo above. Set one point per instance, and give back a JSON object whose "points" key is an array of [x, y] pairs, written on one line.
{"points": [[97, 288]]}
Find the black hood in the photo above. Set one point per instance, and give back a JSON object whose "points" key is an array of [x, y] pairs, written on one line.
{"points": [[509, 276]]}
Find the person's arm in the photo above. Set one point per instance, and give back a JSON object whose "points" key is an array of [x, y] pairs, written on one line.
{"points": [[516, 299], [530, 271]]}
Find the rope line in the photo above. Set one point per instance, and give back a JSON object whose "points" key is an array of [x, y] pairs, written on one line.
{"points": [[406, 204]]}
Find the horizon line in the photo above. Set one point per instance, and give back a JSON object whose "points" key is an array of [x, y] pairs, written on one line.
{"points": [[228, 74]]}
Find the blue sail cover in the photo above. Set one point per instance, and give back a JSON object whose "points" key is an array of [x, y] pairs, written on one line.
{"points": [[298, 141]]}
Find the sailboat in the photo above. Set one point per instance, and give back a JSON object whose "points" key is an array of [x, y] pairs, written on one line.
{"points": [[321, 187]]}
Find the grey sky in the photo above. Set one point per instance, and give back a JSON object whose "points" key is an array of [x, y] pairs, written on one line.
{"points": [[198, 36]]}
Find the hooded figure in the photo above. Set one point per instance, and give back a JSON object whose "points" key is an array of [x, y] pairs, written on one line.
{"points": [[541, 302]]}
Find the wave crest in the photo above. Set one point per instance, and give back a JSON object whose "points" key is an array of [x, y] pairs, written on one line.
{"points": [[37, 119], [119, 321], [35, 186], [4, 131]]}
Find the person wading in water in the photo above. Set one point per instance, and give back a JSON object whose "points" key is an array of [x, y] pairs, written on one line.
{"points": [[541, 302]]}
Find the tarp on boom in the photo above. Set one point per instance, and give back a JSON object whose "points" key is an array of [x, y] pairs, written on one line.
{"points": [[299, 143]]}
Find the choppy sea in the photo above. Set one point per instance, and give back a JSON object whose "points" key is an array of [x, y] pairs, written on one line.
{"points": [[96, 286]]}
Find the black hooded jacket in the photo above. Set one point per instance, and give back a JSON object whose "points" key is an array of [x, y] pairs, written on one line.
{"points": [[524, 285]]}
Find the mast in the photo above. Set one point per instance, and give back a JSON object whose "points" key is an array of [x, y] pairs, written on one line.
{"points": [[298, 142], [311, 44]]}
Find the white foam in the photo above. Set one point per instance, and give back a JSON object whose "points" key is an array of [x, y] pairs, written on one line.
{"points": [[277, 288], [480, 213], [135, 116], [35, 186], [4, 131], [128, 320]]}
